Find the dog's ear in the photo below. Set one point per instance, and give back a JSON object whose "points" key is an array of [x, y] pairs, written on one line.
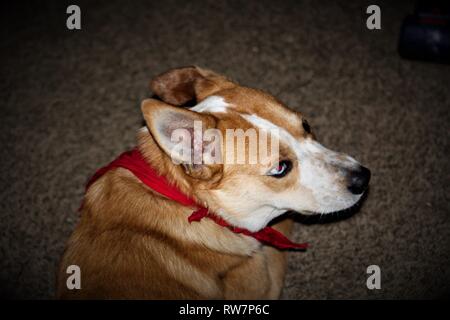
{"points": [[189, 138], [182, 85]]}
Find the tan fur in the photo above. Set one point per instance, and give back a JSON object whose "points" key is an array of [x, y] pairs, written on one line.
{"points": [[132, 243]]}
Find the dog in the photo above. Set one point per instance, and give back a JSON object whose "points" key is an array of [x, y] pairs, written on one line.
{"points": [[141, 234]]}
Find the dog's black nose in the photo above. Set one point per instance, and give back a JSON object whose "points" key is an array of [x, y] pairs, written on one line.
{"points": [[358, 180]]}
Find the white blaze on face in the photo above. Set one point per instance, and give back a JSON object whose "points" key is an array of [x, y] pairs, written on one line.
{"points": [[321, 186], [322, 171], [321, 174], [211, 104]]}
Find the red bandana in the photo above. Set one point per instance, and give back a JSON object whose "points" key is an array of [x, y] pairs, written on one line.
{"points": [[135, 162]]}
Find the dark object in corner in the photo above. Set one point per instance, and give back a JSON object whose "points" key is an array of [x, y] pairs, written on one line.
{"points": [[425, 35]]}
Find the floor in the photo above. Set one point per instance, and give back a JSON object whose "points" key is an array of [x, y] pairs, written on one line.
{"points": [[70, 103]]}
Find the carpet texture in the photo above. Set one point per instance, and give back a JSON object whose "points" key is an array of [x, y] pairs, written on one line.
{"points": [[70, 104]]}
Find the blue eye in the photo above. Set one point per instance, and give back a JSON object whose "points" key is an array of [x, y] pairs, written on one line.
{"points": [[281, 169]]}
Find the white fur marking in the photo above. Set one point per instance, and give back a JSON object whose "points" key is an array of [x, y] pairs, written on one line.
{"points": [[267, 125], [211, 104], [314, 172]]}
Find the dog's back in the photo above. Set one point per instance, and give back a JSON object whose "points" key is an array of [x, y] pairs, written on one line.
{"points": [[131, 243]]}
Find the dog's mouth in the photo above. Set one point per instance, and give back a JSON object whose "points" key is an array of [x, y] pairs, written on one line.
{"points": [[322, 218]]}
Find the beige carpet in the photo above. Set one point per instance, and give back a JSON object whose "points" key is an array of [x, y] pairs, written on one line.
{"points": [[70, 103]]}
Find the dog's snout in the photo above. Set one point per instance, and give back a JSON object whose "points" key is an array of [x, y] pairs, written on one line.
{"points": [[358, 180]]}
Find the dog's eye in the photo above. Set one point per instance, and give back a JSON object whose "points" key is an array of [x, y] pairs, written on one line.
{"points": [[306, 126], [281, 169]]}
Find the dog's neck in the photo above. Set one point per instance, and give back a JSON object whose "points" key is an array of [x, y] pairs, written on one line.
{"points": [[229, 242], [175, 174], [162, 164], [135, 161]]}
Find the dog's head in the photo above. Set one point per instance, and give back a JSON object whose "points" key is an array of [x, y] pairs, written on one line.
{"points": [[296, 173]]}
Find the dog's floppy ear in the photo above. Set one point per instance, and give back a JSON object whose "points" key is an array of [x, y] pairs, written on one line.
{"points": [[187, 137], [181, 85]]}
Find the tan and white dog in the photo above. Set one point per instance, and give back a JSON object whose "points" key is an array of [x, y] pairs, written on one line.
{"points": [[132, 242]]}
